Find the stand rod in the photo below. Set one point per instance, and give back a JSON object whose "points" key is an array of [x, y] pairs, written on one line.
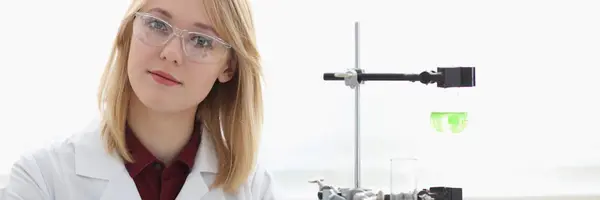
{"points": [[357, 163]]}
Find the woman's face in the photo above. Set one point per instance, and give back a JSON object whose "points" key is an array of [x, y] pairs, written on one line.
{"points": [[175, 55]]}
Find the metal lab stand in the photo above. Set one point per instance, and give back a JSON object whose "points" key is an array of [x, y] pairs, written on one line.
{"points": [[353, 78]]}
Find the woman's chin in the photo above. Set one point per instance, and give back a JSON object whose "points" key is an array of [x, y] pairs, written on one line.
{"points": [[163, 103]]}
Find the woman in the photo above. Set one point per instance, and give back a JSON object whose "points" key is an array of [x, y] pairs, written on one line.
{"points": [[182, 108]]}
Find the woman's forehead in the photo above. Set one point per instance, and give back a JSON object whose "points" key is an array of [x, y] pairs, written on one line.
{"points": [[189, 14]]}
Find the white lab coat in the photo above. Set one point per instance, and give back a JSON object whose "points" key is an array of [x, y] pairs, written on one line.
{"points": [[79, 168]]}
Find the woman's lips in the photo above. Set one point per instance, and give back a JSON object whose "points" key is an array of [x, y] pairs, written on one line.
{"points": [[164, 78]]}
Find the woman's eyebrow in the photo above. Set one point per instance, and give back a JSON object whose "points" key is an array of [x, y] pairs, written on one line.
{"points": [[168, 15], [162, 12], [205, 27]]}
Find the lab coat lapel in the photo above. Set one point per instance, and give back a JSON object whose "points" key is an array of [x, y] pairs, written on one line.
{"points": [[197, 183], [121, 187], [92, 162], [194, 188]]}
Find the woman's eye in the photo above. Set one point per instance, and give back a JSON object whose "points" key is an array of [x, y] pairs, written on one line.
{"points": [[157, 25], [201, 41]]}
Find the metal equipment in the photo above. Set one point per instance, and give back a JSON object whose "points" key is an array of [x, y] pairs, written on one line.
{"points": [[444, 77]]}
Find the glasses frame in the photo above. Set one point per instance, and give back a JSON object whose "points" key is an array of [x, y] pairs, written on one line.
{"points": [[178, 32]]}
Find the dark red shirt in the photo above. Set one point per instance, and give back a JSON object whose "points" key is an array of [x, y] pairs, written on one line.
{"points": [[153, 179]]}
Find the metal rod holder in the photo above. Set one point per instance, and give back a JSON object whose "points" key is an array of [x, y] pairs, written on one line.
{"points": [[353, 78]]}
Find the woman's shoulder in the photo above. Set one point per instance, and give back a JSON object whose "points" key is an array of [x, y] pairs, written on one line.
{"points": [[263, 184], [59, 152], [66, 145], [38, 171]]}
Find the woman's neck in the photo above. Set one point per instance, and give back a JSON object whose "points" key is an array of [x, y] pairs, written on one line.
{"points": [[163, 134]]}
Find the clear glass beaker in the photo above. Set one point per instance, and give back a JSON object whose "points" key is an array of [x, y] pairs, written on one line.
{"points": [[403, 178], [453, 122], [450, 111]]}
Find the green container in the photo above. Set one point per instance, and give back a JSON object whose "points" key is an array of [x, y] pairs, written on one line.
{"points": [[453, 122]]}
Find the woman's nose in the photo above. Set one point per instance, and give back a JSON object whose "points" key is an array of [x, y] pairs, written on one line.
{"points": [[173, 51]]}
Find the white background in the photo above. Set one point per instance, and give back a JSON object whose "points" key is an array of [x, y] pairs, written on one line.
{"points": [[532, 117]]}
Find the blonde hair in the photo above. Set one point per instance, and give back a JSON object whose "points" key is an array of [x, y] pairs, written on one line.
{"points": [[231, 112]]}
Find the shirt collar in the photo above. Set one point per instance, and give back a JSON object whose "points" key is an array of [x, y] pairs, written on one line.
{"points": [[142, 157]]}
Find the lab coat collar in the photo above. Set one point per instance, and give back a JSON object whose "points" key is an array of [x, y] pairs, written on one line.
{"points": [[206, 159], [93, 161]]}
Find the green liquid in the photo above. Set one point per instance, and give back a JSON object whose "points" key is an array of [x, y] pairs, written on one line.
{"points": [[454, 122]]}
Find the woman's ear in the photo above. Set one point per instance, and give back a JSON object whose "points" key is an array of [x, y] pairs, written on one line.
{"points": [[229, 71]]}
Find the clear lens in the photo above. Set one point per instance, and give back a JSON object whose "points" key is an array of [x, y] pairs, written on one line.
{"points": [[198, 47], [152, 31], [203, 48]]}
